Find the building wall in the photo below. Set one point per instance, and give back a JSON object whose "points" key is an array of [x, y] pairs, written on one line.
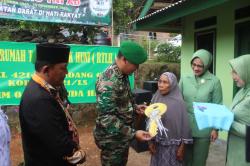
{"points": [[225, 43]]}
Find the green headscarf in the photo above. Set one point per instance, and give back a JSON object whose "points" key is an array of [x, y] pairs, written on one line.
{"points": [[241, 66], [205, 56]]}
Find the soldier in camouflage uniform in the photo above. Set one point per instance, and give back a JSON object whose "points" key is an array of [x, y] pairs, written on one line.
{"points": [[113, 131]]}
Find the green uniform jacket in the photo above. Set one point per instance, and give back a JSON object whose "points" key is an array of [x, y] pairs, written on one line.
{"points": [[241, 109], [205, 88], [115, 107]]}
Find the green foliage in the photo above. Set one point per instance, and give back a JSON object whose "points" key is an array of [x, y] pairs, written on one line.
{"points": [[153, 44], [168, 53], [152, 71], [146, 42], [4, 34], [39, 28], [124, 11], [121, 14]]}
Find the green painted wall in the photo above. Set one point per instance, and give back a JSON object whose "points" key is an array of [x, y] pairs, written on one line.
{"points": [[225, 34]]}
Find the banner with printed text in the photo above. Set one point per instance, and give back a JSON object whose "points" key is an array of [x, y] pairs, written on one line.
{"points": [[87, 12], [85, 64]]}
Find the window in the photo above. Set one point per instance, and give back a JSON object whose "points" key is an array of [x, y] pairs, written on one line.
{"points": [[205, 22], [242, 13]]}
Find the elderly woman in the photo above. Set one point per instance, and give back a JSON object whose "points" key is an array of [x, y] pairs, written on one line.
{"points": [[169, 150], [241, 109], [201, 86]]}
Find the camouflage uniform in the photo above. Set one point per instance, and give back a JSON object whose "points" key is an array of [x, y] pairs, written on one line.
{"points": [[113, 130]]}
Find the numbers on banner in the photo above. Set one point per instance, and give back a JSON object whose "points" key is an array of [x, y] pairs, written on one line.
{"points": [[21, 75]]}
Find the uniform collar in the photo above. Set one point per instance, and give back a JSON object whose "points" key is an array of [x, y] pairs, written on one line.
{"points": [[118, 71], [44, 84], [207, 75]]}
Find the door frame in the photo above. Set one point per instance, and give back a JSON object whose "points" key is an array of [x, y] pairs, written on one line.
{"points": [[236, 46], [205, 32]]}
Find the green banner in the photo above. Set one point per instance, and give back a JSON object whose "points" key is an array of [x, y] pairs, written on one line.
{"points": [[85, 64], [87, 12]]}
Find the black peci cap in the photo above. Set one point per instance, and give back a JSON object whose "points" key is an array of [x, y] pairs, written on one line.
{"points": [[52, 53]]}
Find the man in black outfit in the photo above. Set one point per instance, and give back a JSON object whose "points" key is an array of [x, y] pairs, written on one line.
{"points": [[49, 135]]}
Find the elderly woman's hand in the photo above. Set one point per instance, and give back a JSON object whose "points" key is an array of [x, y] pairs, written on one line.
{"points": [[213, 135], [180, 152]]}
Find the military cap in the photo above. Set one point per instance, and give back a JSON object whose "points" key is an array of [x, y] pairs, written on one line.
{"points": [[133, 52], [52, 53]]}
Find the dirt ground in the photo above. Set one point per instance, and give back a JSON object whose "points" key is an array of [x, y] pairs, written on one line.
{"points": [[216, 155], [86, 140]]}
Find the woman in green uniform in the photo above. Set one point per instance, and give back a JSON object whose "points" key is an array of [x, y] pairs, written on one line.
{"points": [[241, 109], [201, 86]]}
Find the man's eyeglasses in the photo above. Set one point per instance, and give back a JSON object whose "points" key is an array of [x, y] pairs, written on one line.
{"points": [[198, 66]]}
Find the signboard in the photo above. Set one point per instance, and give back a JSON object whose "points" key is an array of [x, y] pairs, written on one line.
{"points": [[87, 12], [85, 64]]}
